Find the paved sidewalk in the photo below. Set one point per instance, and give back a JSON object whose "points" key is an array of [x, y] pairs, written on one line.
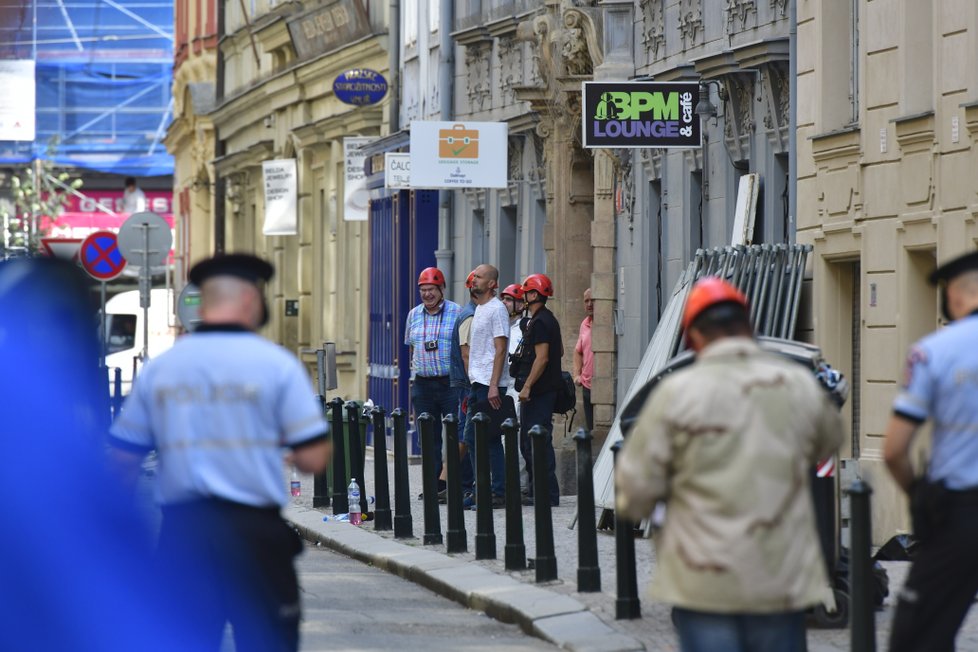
{"points": [[554, 611]]}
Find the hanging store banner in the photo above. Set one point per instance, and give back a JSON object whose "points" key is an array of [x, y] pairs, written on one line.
{"points": [[459, 155], [356, 200], [640, 114], [281, 216], [17, 101]]}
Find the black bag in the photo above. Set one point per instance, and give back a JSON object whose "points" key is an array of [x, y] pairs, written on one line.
{"points": [[566, 394]]}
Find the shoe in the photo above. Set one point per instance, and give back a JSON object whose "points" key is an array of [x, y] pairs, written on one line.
{"points": [[443, 496], [498, 502], [527, 500], [468, 501]]}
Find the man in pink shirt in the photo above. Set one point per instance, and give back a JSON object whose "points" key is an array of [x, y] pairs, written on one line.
{"points": [[584, 359]]}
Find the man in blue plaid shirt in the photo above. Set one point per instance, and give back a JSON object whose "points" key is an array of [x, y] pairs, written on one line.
{"points": [[428, 335]]}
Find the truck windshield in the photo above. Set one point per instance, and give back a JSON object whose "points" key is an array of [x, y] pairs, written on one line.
{"points": [[122, 332]]}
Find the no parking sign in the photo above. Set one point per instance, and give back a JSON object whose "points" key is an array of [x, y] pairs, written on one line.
{"points": [[100, 256]]}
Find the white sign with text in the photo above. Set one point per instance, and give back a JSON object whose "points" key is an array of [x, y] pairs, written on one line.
{"points": [[281, 216], [459, 154], [397, 170], [356, 200]]}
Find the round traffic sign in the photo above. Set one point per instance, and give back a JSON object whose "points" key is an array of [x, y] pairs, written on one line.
{"points": [[145, 239], [100, 256]]}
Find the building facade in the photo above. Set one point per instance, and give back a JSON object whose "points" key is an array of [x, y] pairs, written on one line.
{"points": [[273, 99], [887, 153]]}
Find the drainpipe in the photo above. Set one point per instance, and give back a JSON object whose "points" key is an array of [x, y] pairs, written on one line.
{"points": [[792, 120], [394, 64], [446, 89], [220, 184]]}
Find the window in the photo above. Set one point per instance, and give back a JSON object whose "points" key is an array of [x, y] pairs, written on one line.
{"points": [[409, 19], [122, 332], [434, 15]]}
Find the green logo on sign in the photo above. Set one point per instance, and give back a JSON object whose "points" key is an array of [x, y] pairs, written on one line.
{"points": [[619, 105]]}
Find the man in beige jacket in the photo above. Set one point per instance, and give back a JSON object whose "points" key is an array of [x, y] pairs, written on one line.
{"points": [[728, 444]]}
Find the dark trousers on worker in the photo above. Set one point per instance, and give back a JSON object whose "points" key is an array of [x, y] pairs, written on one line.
{"points": [[438, 398], [497, 460], [233, 563], [701, 631], [539, 411], [588, 408], [942, 582]]}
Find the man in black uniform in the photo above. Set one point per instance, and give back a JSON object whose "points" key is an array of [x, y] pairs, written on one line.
{"points": [[538, 375], [219, 408]]}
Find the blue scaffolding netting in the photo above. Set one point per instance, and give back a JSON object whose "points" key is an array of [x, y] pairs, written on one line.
{"points": [[103, 72]]}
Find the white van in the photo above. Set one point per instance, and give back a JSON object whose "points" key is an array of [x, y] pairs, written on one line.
{"points": [[124, 325]]}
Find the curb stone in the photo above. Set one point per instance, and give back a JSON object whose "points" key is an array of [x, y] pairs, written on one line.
{"points": [[553, 617]]}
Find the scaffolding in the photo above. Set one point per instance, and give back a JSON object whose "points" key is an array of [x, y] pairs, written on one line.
{"points": [[103, 73]]}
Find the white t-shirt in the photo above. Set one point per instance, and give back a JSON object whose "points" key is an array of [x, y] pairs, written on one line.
{"points": [[515, 337], [491, 320], [133, 201]]}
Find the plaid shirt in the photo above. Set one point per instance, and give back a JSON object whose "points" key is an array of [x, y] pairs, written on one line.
{"points": [[423, 327]]}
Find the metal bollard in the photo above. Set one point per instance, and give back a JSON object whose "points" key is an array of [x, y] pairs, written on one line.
{"points": [[403, 525], [588, 570], [320, 481], [382, 512], [861, 618], [485, 535], [429, 483], [515, 549], [356, 452], [627, 605], [116, 391], [456, 521], [340, 503], [546, 559]]}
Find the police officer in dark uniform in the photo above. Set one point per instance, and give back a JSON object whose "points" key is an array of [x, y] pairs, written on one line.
{"points": [[941, 385], [219, 408]]}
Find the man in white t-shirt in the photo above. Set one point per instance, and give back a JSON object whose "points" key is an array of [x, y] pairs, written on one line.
{"points": [[133, 198], [488, 353]]}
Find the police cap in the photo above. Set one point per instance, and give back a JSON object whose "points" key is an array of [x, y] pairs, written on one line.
{"points": [[243, 266], [953, 268]]}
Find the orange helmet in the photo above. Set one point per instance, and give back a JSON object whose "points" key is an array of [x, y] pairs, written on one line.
{"points": [[708, 292], [540, 283], [514, 290], [431, 276], [468, 279]]}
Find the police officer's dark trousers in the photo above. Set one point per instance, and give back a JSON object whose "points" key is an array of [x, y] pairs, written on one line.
{"points": [[235, 564], [942, 582]]}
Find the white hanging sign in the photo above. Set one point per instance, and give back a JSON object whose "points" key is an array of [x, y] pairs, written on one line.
{"points": [[17, 101], [459, 154], [281, 216], [356, 200]]}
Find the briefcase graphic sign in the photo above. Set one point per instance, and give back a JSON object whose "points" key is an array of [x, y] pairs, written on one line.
{"points": [[459, 154], [458, 142]]}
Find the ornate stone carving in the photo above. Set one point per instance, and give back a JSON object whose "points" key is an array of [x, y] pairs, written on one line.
{"points": [[654, 29], [515, 158], [477, 83], [690, 22], [574, 48], [778, 79], [780, 7], [510, 68], [740, 10]]}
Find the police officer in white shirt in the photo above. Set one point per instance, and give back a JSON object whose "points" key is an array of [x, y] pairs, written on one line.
{"points": [[219, 409], [940, 385]]}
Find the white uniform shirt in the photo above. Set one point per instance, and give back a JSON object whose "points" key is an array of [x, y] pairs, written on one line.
{"points": [[491, 320], [218, 408]]}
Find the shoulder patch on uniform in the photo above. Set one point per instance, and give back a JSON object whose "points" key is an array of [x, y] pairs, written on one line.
{"points": [[916, 356]]}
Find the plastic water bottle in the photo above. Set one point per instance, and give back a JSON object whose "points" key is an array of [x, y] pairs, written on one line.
{"points": [[353, 497], [296, 485]]}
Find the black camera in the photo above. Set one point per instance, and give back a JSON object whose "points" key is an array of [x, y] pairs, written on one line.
{"points": [[431, 345]]}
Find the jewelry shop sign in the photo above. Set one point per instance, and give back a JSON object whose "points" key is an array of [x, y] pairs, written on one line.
{"points": [[640, 114], [459, 154]]}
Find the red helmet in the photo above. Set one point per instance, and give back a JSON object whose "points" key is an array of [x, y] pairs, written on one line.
{"points": [[540, 283], [468, 279], [514, 290], [431, 276], [708, 292]]}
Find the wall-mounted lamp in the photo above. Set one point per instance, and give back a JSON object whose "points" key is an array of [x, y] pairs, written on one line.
{"points": [[705, 108], [269, 121]]}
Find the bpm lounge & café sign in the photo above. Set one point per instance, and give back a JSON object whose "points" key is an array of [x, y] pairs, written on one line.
{"points": [[640, 114]]}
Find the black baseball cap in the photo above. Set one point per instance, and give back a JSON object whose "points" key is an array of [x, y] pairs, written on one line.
{"points": [[953, 268], [244, 266]]}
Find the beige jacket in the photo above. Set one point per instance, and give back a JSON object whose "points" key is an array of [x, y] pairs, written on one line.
{"points": [[728, 444]]}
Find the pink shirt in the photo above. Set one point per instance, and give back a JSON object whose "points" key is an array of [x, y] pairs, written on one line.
{"points": [[584, 348]]}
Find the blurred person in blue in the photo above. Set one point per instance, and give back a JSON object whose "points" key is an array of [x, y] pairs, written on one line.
{"points": [[219, 408], [940, 385], [76, 555]]}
